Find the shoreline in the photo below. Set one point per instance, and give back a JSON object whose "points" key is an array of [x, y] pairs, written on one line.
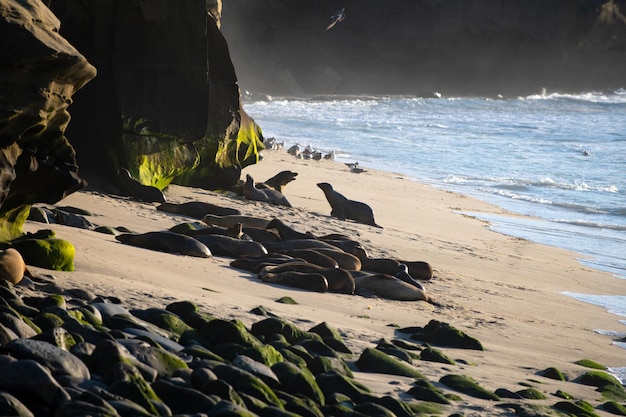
{"points": [[504, 291]]}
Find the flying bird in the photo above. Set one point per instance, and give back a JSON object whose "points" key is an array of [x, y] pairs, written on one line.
{"points": [[337, 17]]}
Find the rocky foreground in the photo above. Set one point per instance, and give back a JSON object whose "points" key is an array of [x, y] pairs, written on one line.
{"points": [[69, 352]]}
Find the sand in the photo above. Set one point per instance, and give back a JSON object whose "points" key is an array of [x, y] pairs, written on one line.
{"points": [[504, 291]]}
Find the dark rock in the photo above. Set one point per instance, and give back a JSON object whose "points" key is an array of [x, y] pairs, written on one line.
{"points": [[72, 220], [505, 393], [425, 391], [323, 364], [331, 383], [298, 381], [244, 381], [11, 406], [59, 361], [30, 382], [126, 381], [614, 408], [258, 369], [182, 400], [443, 334], [331, 337], [83, 408], [435, 355], [228, 331], [222, 390], [467, 386], [530, 393], [228, 409], [300, 405], [372, 360], [164, 362]]}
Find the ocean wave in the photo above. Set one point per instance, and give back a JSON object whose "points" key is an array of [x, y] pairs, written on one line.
{"points": [[615, 97], [594, 225]]}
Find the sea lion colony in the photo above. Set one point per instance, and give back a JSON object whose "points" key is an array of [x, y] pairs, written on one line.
{"points": [[280, 254]]}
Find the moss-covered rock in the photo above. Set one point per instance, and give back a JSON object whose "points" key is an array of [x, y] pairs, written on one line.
{"points": [[531, 394], [423, 390], [443, 334], [614, 408], [435, 355], [578, 409], [331, 337], [373, 360], [588, 363], [298, 381], [219, 331], [599, 379], [554, 373], [468, 386], [49, 253]]}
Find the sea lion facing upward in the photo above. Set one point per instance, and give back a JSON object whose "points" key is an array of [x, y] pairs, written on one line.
{"points": [[343, 208], [264, 194], [12, 266], [278, 181], [137, 190]]}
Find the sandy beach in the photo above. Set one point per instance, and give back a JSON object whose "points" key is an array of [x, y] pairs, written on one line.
{"points": [[504, 291]]}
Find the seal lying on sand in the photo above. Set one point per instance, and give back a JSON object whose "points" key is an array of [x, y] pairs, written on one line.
{"points": [[278, 181], [12, 266], [229, 221], [287, 232], [264, 194], [386, 286], [137, 190], [314, 257], [416, 269], [304, 280], [342, 208], [339, 280], [197, 209], [221, 245], [169, 242]]}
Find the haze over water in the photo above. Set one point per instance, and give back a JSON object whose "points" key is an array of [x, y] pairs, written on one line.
{"points": [[558, 158]]}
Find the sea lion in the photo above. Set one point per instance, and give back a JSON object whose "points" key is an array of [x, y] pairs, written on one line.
{"points": [[296, 244], [230, 220], [419, 269], [342, 208], [197, 209], [287, 232], [303, 280], [165, 241], [12, 266], [416, 269], [261, 234], [344, 260], [387, 286], [278, 181], [339, 280], [235, 231], [221, 245], [256, 264], [314, 257], [137, 190], [264, 194]]}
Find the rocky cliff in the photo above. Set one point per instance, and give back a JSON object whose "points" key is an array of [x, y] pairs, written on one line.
{"points": [[39, 73], [472, 47], [165, 103]]}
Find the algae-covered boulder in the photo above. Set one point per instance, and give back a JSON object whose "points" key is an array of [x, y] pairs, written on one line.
{"points": [[166, 102], [443, 334], [39, 73], [373, 360], [49, 253], [468, 386]]}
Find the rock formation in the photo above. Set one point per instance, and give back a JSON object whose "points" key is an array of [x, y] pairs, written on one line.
{"points": [[474, 47], [165, 104], [39, 73]]}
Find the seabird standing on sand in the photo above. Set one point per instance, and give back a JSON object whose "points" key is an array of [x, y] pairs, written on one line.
{"points": [[337, 17]]}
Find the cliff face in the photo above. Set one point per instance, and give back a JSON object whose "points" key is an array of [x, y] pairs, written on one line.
{"points": [[474, 47], [39, 73], [166, 103]]}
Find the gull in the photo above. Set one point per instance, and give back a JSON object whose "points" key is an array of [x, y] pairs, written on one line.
{"points": [[337, 17], [354, 168]]}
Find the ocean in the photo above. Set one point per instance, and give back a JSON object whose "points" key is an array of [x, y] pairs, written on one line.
{"points": [[558, 158]]}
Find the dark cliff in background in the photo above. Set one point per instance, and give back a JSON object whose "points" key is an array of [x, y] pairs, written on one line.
{"points": [[472, 47]]}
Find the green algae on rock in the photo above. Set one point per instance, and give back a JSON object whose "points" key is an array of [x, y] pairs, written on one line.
{"points": [[467, 386], [373, 360], [443, 334]]}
